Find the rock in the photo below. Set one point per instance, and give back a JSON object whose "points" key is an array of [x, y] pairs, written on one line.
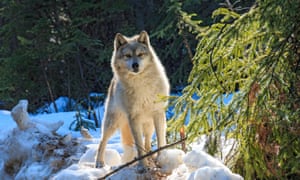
{"points": [[170, 159]]}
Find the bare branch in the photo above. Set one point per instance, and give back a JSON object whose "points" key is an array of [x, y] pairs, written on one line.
{"points": [[142, 157]]}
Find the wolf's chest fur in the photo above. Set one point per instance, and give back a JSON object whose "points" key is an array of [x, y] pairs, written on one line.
{"points": [[142, 94]]}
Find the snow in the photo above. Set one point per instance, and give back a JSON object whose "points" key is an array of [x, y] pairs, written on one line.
{"points": [[6, 122], [170, 159], [111, 157], [31, 147], [202, 165], [76, 171]]}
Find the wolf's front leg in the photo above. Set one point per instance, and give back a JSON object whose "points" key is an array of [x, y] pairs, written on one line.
{"points": [[136, 128], [99, 157], [148, 130], [160, 128], [107, 131]]}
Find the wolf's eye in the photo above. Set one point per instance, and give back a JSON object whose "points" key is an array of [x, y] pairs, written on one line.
{"points": [[141, 54], [127, 55]]}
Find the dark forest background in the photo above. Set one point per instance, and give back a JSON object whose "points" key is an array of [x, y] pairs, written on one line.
{"points": [[59, 48]]}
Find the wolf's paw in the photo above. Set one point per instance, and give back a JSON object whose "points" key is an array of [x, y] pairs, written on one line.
{"points": [[141, 169], [99, 165]]}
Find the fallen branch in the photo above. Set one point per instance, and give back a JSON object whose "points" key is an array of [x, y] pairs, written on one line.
{"points": [[21, 117], [142, 157]]}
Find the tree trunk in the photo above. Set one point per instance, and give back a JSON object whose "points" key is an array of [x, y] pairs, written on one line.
{"points": [[49, 87]]}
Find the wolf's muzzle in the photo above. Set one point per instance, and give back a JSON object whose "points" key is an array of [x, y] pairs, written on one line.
{"points": [[135, 67]]}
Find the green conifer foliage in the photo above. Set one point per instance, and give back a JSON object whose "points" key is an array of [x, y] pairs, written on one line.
{"points": [[254, 56]]}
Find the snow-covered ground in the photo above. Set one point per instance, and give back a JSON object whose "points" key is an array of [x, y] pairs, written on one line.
{"points": [[32, 154]]}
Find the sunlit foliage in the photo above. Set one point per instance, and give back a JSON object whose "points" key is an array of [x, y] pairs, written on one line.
{"points": [[254, 56]]}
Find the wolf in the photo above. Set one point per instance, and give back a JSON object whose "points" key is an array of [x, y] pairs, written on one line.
{"points": [[134, 104]]}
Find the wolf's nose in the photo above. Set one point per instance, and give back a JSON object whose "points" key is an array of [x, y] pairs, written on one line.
{"points": [[135, 66]]}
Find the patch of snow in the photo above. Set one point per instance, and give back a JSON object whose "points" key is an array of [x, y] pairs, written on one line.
{"points": [[204, 166], [180, 173], [213, 173], [174, 163], [197, 159], [170, 159], [80, 172], [130, 173], [33, 171], [111, 157]]}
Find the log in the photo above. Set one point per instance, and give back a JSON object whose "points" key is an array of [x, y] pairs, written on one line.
{"points": [[21, 117]]}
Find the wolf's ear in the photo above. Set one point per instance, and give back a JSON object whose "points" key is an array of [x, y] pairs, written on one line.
{"points": [[144, 38], [119, 40]]}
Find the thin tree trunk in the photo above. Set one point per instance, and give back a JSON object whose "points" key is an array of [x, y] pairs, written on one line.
{"points": [[69, 85], [49, 88]]}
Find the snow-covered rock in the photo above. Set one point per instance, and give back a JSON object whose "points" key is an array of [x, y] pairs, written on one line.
{"points": [[197, 159], [213, 173], [111, 157], [201, 165], [170, 159]]}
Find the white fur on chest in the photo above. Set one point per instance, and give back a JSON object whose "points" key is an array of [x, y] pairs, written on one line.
{"points": [[141, 96]]}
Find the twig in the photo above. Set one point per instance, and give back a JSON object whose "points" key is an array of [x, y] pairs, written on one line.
{"points": [[182, 136], [187, 46], [211, 58], [141, 157]]}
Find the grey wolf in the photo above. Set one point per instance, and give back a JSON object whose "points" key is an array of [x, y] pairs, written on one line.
{"points": [[133, 103]]}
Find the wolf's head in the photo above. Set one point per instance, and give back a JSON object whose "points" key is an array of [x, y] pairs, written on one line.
{"points": [[131, 55]]}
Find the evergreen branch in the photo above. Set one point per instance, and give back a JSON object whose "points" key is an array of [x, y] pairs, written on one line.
{"points": [[211, 57], [141, 157]]}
